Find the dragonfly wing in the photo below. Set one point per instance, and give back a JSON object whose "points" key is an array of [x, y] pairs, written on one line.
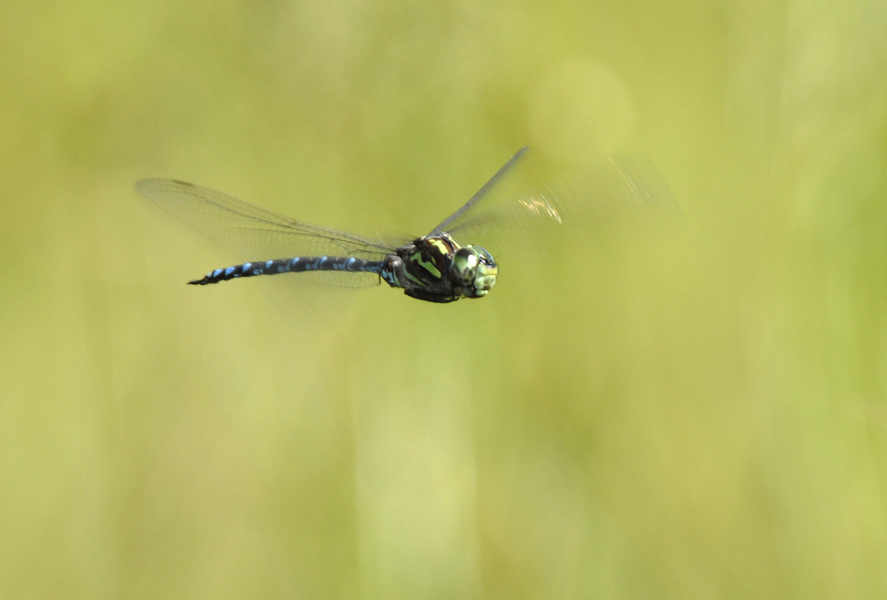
{"points": [[255, 233], [612, 189], [481, 193]]}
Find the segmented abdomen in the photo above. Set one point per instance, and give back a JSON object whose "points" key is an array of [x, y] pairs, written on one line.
{"points": [[291, 265]]}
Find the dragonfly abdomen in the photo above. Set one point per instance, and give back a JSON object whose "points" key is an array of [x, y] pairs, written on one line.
{"points": [[298, 264]]}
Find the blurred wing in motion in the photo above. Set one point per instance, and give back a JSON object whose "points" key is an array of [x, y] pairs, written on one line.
{"points": [[602, 194]]}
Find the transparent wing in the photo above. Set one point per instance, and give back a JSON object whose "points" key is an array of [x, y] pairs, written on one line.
{"points": [[610, 190], [483, 192], [256, 234]]}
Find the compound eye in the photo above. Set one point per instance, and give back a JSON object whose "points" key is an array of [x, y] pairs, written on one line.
{"points": [[474, 271], [464, 266], [487, 257]]}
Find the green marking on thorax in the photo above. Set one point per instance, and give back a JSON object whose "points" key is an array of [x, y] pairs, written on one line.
{"points": [[427, 265], [442, 247]]}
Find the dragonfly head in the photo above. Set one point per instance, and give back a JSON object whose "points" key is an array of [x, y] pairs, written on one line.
{"points": [[474, 270]]}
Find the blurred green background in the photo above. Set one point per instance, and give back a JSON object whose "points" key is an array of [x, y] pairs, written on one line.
{"points": [[692, 416]]}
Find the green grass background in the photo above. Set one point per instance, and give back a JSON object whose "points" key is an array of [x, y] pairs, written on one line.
{"points": [[699, 415]]}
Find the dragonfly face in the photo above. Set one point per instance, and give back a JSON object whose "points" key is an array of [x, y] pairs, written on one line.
{"points": [[474, 271]]}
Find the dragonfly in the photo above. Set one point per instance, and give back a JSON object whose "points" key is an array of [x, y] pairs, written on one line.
{"points": [[434, 267]]}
